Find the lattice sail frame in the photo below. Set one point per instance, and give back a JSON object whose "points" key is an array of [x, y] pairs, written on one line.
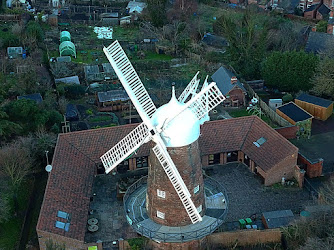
{"points": [[208, 98]]}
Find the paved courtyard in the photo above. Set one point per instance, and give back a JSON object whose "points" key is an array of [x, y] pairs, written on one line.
{"points": [[247, 196]]}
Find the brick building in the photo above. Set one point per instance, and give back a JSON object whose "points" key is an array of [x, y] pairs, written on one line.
{"points": [[64, 212], [230, 86]]}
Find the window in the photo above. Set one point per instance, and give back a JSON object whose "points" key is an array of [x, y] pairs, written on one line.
{"points": [[63, 215], [260, 141], [196, 189], [214, 159], [160, 215], [141, 162], [161, 194], [199, 209], [62, 225]]}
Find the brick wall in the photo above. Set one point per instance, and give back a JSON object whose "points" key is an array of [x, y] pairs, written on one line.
{"points": [[299, 176], [284, 168], [70, 244], [237, 94], [313, 168], [187, 159], [243, 237], [288, 132], [330, 29], [190, 245], [309, 14]]}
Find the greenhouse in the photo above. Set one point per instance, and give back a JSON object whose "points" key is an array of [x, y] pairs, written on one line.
{"points": [[67, 48], [65, 36]]}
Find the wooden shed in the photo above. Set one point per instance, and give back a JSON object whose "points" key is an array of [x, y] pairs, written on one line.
{"points": [[296, 116], [318, 107]]}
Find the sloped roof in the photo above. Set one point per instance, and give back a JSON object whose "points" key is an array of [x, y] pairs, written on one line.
{"points": [[318, 41], [295, 112], [113, 95], [78, 153], [240, 134], [311, 8], [323, 10], [35, 97], [314, 100], [223, 79]]}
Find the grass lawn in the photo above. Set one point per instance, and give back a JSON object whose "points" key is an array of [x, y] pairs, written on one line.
{"points": [[11, 229], [125, 33], [244, 112]]}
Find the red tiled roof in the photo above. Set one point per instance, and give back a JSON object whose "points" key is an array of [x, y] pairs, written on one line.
{"points": [[77, 154], [239, 134]]}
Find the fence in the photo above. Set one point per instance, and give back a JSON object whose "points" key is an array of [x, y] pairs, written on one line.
{"points": [[313, 193], [267, 110]]}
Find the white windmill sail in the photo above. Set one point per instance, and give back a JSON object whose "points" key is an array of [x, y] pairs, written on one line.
{"points": [[206, 100], [125, 147], [200, 104], [190, 89], [130, 81], [206, 117]]}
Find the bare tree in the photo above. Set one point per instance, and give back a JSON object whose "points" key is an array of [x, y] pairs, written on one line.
{"points": [[15, 165]]}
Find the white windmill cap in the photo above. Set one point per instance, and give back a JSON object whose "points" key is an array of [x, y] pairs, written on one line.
{"points": [[181, 131]]}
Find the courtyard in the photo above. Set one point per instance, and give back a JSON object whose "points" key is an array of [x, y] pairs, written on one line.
{"points": [[247, 197]]}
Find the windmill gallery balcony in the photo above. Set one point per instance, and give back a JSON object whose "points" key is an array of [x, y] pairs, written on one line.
{"points": [[136, 215]]}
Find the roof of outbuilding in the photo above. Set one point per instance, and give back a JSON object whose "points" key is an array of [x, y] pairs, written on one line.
{"points": [[113, 95], [78, 153], [314, 100], [223, 79], [276, 219], [318, 41], [35, 97], [295, 112]]}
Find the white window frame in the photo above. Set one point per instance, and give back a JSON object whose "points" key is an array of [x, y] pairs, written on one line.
{"points": [[196, 189], [160, 215], [161, 194]]}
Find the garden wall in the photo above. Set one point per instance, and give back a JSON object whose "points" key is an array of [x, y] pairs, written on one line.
{"points": [[244, 237], [289, 132]]}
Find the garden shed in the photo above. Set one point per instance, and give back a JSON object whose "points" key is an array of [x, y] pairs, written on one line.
{"points": [[34, 97], [14, 52], [276, 219], [67, 48], [112, 100], [296, 116], [275, 103], [320, 108], [65, 36]]}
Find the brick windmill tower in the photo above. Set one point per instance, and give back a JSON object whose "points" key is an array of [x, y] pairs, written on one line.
{"points": [[175, 194]]}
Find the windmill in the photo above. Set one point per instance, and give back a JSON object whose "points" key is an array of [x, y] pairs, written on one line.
{"points": [[172, 129]]}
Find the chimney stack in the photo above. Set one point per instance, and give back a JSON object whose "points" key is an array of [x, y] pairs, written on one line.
{"points": [[234, 79]]}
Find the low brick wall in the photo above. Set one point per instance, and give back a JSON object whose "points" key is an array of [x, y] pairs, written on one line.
{"points": [[244, 237], [288, 132], [313, 167]]}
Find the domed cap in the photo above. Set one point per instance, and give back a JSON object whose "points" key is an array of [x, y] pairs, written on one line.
{"points": [[182, 130]]}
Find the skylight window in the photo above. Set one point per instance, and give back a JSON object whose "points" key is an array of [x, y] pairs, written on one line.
{"points": [[62, 225], [260, 141], [63, 215]]}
